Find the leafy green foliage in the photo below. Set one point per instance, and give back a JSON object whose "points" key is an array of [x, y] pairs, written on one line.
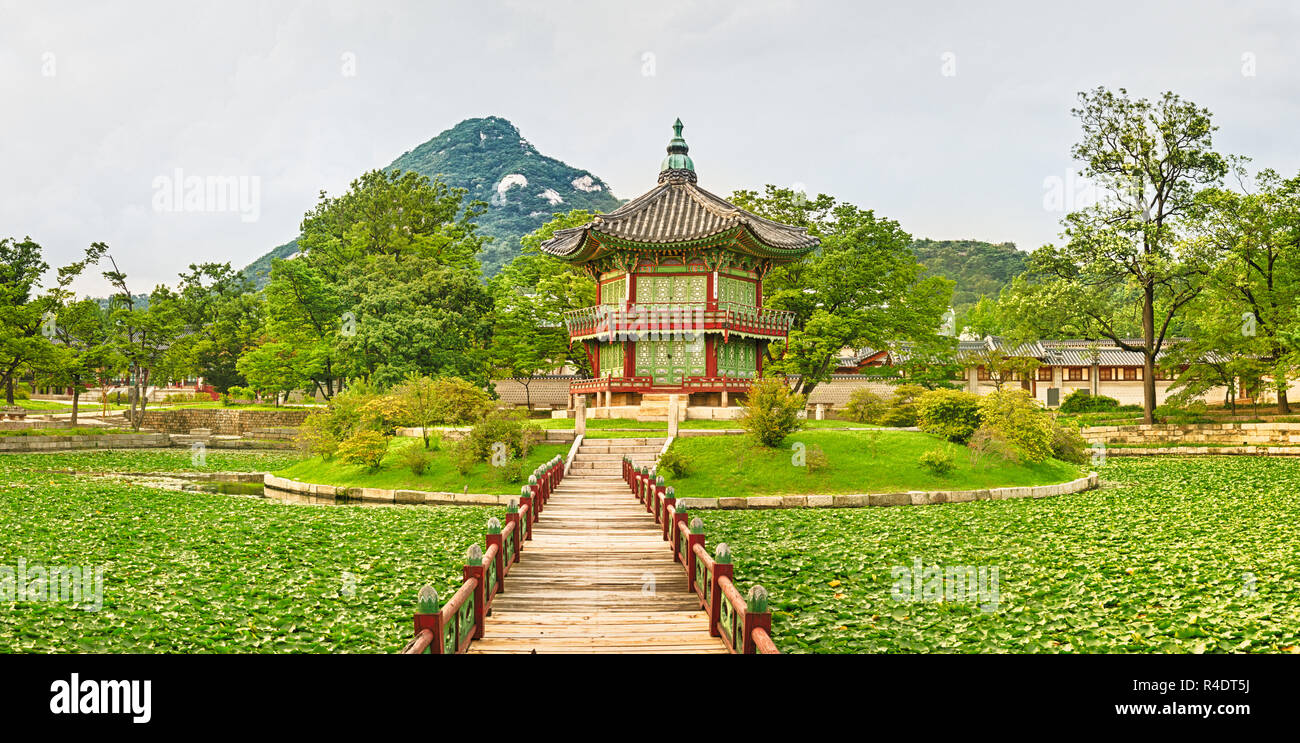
{"points": [[365, 448], [1186, 555], [1021, 420], [506, 427], [863, 287], [977, 269], [938, 461], [952, 414], [902, 406], [771, 411], [865, 406], [1080, 401], [254, 575], [673, 463]]}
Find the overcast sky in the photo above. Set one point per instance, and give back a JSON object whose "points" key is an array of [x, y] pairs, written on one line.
{"points": [[949, 117]]}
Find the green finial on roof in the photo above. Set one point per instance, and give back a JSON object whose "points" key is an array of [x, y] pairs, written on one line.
{"points": [[678, 159]]}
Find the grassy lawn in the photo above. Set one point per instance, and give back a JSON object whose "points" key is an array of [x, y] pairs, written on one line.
{"points": [[857, 462], [596, 424], [440, 476], [1188, 555], [217, 404], [147, 461], [194, 572], [79, 431]]}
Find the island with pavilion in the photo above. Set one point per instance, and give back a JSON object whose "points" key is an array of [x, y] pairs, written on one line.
{"points": [[679, 297]]}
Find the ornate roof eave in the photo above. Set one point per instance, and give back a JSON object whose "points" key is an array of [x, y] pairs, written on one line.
{"points": [[742, 240]]}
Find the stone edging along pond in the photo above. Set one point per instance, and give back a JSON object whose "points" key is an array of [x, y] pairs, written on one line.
{"points": [[381, 495], [908, 498]]}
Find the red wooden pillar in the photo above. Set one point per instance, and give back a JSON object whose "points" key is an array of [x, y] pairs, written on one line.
{"points": [[500, 559], [433, 623], [526, 515], [480, 596], [714, 608], [658, 502], [752, 622], [689, 557], [669, 500], [680, 526], [513, 518]]}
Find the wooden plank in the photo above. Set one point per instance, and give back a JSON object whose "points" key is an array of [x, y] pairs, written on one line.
{"points": [[579, 587]]}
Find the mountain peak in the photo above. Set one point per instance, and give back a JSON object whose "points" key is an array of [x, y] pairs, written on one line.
{"points": [[490, 158]]}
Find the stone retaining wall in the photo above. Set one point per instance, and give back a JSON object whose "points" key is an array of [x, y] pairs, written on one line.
{"points": [[102, 441], [221, 421], [1199, 451], [380, 495], [1237, 434], [910, 498]]}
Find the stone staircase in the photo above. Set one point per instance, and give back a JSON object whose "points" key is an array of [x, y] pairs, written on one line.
{"points": [[655, 407], [603, 458]]}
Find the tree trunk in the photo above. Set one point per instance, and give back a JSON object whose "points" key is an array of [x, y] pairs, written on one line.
{"points": [[1149, 354], [1283, 405], [9, 389], [76, 395]]}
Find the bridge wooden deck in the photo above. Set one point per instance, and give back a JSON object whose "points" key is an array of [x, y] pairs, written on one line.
{"points": [[597, 576]]}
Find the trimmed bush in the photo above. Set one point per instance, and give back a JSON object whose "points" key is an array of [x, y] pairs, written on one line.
{"points": [[365, 448], [503, 427], [902, 406], [416, 458], [1081, 401], [952, 414], [938, 462], [672, 462], [865, 406], [1068, 445], [771, 411], [1022, 421]]}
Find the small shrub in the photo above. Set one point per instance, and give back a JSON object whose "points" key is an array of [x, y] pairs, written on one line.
{"points": [[416, 458], [462, 454], [814, 459], [316, 437], [952, 414], [988, 442], [673, 463], [865, 406], [902, 406], [771, 411], [365, 448], [1021, 421], [1081, 401], [511, 470], [504, 427], [1068, 445], [938, 462]]}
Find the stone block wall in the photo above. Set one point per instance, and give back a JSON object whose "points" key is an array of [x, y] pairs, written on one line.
{"points": [[221, 421], [1235, 434]]}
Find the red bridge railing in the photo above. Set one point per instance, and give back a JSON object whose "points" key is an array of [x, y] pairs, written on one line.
{"points": [[742, 621], [450, 628]]}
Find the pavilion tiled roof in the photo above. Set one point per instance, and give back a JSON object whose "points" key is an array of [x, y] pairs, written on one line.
{"points": [[677, 211]]}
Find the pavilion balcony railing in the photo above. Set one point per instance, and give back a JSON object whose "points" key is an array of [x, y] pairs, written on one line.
{"points": [[675, 321], [684, 384]]}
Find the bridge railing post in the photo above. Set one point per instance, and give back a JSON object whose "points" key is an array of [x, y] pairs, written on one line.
{"points": [[696, 536], [757, 616], [669, 499], [474, 569], [494, 538]]}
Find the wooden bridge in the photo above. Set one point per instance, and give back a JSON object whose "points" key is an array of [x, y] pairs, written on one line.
{"points": [[608, 567]]}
